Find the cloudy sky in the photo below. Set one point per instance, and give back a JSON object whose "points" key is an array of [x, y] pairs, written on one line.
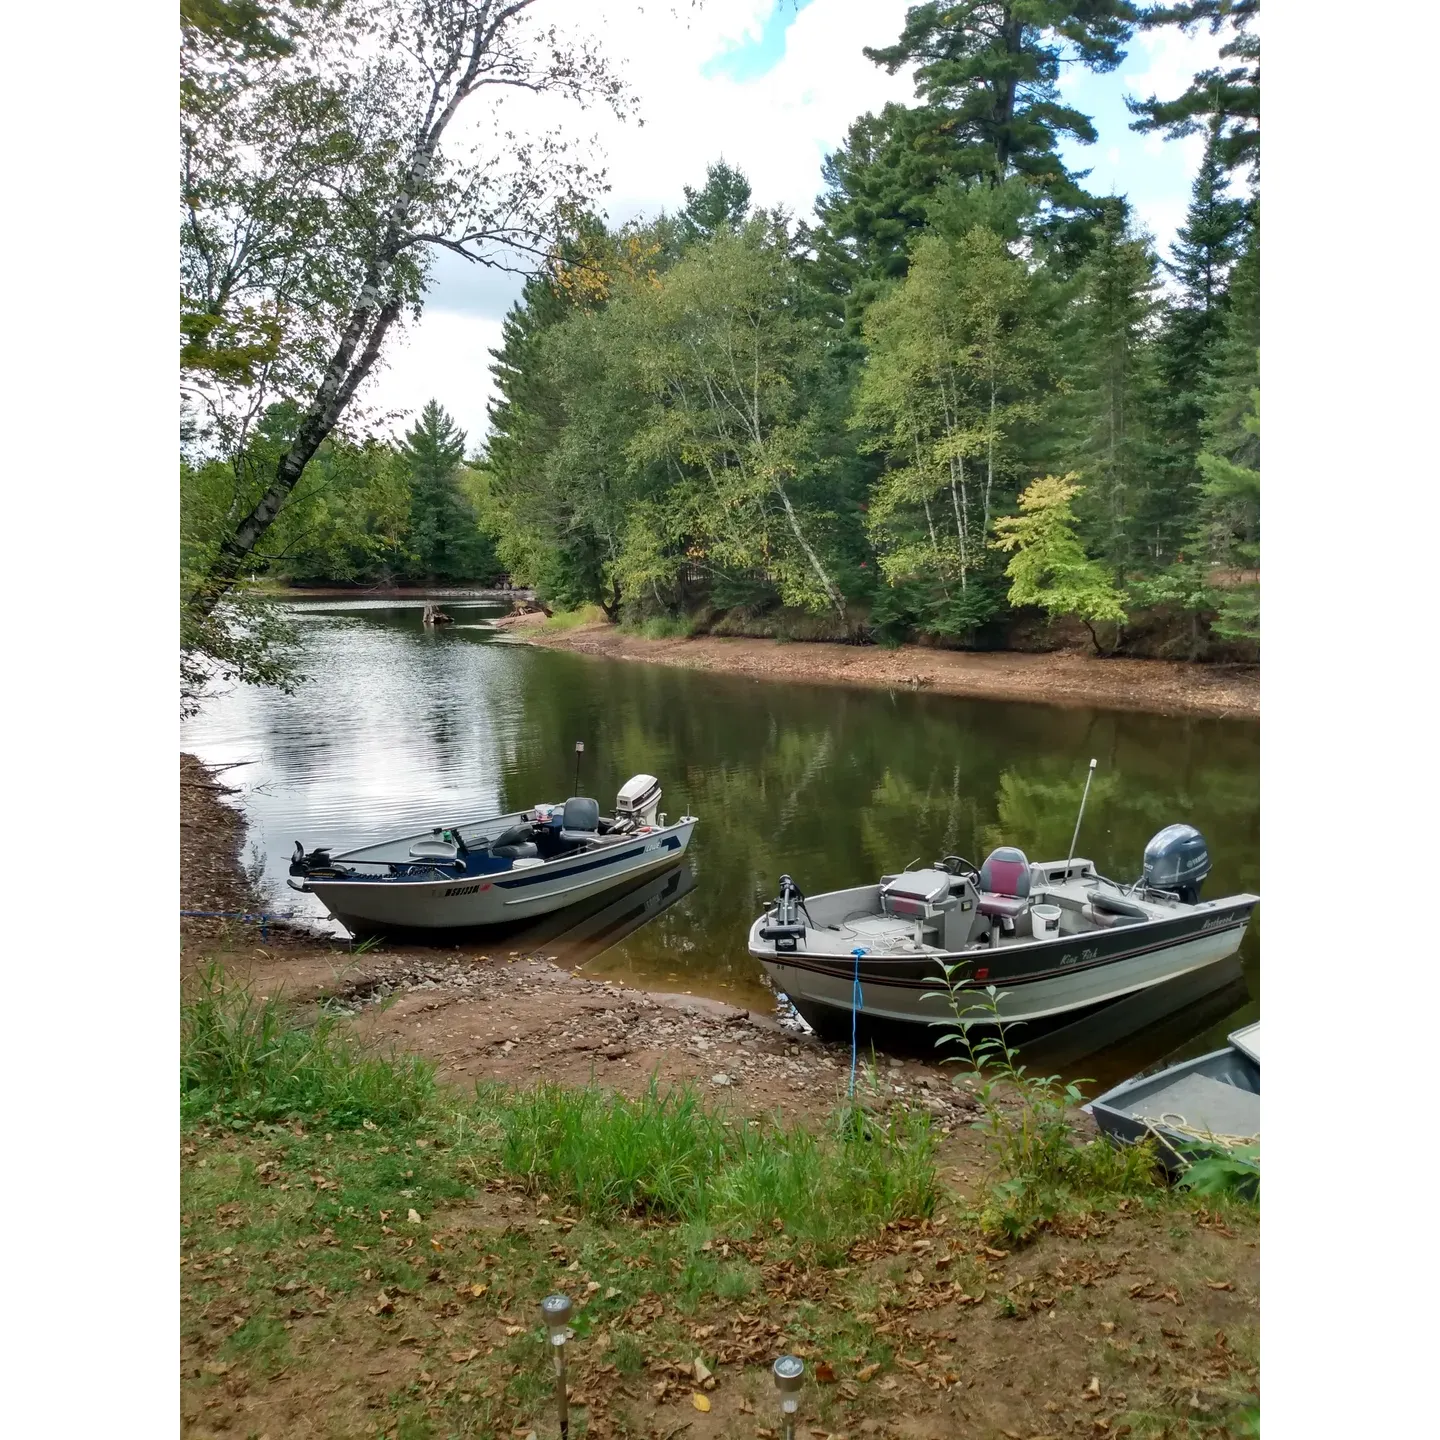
{"points": [[772, 86]]}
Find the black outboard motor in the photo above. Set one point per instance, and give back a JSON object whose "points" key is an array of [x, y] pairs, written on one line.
{"points": [[1178, 860], [787, 931]]}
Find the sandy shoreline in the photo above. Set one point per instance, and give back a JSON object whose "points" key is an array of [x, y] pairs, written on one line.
{"points": [[1059, 678]]}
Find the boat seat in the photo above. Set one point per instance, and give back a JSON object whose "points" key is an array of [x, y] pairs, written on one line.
{"points": [[581, 819], [1004, 884], [524, 850]]}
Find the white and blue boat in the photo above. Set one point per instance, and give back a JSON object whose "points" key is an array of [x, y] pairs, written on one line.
{"points": [[498, 869]]}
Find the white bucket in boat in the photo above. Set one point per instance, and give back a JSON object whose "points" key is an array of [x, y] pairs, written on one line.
{"points": [[1045, 921]]}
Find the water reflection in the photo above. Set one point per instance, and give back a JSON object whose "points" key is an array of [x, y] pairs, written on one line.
{"points": [[400, 728]]}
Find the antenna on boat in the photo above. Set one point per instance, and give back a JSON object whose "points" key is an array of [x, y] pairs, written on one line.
{"points": [[1090, 775], [579, 751]]}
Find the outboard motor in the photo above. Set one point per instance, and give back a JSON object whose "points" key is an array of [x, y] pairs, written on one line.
{"points": [[1177, 859], [788, 930], [637, 803]]}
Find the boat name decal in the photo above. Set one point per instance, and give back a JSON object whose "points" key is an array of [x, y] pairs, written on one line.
{"points": [[1217, 922], [463, 889], [1084, 956]]}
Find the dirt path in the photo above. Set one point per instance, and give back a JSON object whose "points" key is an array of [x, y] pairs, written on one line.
{"points": [[1059, 678]]}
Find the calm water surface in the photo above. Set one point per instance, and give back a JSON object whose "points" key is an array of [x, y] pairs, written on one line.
{"points": [[398, 728]]}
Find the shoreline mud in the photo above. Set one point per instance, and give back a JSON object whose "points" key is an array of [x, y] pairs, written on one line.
{"points": [[1066, 677]]}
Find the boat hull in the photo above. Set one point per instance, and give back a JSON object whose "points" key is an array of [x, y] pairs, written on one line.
{"points": [[479, 902], [1035, 983]]}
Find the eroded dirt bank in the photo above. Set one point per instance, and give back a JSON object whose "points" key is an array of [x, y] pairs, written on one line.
{"points": [[1063, 677]]}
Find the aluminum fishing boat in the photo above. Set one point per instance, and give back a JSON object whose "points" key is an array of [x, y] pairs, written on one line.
{"points": [[1054, 938], [498, 869], [1211, 1103]]}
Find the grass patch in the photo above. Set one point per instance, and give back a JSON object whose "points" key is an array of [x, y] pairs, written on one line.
{"points": [[244, 1060], [666, 1155], [589, 614]]}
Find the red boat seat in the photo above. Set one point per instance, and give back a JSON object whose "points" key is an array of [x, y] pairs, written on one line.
{"points": [[1004, 883]]}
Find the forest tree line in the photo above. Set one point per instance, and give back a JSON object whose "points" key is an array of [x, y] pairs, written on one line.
{"points": [[969, 388]]}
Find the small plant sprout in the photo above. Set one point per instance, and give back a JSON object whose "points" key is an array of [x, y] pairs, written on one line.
{"points": [[789, 1372], [556, 1310]]}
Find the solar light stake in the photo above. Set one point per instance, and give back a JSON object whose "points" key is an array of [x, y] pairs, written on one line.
{"points": [[579, 751], [556, 1311], [789, 1373]]}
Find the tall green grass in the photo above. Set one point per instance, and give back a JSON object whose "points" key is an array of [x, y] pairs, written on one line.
{"points": [[590, 614], [666, 1155], [246, 1059], [663, 1155]]}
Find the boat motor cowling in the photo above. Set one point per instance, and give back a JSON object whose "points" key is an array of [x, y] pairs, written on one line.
{"points": [[638, 802], [1177, 859]]}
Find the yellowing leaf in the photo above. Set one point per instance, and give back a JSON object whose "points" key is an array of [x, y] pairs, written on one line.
{"points": [[413, 1217], [700, 1402]]}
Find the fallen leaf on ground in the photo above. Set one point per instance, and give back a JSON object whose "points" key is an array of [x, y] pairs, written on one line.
{"points": [[700, 1370], [1220, 1284], [745, 1407], [699, 1401], [460, 1357], [867, 1372], [1093, 1388], [514, 1329], [413, 1217], [825, 1373], [215, 1367]]}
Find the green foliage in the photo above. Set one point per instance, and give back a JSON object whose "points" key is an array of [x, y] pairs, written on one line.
{"points": [[1225, 97], [1232, 1173], [443, 538], [666, 1155], [1045, 1170], [245, 1060], [1050, 567]]}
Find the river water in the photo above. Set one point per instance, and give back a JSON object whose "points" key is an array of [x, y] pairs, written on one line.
{"points": [[397, 728]]}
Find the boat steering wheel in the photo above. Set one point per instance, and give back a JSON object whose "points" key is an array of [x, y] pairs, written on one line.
{"points": [[959, 865]]}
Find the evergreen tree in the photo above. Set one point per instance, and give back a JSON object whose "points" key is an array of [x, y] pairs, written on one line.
{"points": [[1226, 97], [1201, 263], [1111, 405], [722, 203], [986, 77], [443, 537]]}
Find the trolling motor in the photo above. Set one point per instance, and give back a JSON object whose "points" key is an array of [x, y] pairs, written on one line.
{"points": [[302, 864], [787, 930]]}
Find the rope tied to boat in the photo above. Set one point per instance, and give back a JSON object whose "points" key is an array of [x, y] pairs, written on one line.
{"points": [[857, 1001], [1177, 1124]]}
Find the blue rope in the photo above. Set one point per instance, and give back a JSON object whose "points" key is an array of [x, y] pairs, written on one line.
{"points": [[857, 1003]]}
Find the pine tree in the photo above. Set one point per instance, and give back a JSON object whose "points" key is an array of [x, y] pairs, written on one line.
{"points": [[1227, 97], [989, 111], [1111, 405], [443, 536], [1202, 260], [721, 203]]}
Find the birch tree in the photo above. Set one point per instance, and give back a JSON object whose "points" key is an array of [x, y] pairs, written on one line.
{"points": [[317, 181], [728, 359], [956, 362]]}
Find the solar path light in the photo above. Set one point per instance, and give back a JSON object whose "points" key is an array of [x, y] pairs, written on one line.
{"points": [[789, 1372], [556, 1310]]}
